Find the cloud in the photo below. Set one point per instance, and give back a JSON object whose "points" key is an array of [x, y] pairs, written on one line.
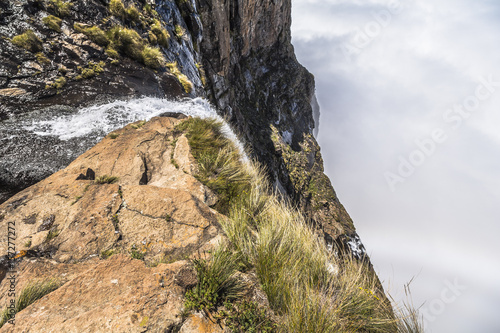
{"points": [[443, 220]]}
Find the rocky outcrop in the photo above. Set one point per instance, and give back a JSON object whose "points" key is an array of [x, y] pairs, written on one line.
{"points": [[132, 195]]}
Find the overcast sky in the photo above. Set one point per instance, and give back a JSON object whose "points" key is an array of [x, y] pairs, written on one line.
{"points": [[410, 134]]}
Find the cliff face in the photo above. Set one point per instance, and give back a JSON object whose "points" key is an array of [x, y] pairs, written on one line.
{"points": [[235, 53]]}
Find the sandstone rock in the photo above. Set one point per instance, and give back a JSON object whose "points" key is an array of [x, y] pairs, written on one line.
{"points": [[119, 294], [199, 323]]}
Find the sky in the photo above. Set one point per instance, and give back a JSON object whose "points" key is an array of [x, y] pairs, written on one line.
{"points": [[410, 134]]}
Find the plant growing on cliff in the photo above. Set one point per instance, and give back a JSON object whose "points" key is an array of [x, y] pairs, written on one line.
{"points": [[105, 179], [161, 34], [216, 281], [183, 79], [94, 33], [52, 22], [28, 41], [60, 8], [309, 287], [29, 295]]}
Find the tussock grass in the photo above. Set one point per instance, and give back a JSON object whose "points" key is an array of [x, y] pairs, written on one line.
{"points": [[52, 22], [94, 33], [105, 179], [29, 295], [60, 8], [216, 281], [310, 288], [183, 79], [28, 41]]}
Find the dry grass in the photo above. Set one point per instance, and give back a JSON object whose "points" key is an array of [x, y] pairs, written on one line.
{"points": [[308, 287]]}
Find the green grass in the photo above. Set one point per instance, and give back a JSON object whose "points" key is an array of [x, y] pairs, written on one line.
{"points": [[136, 253], [138, 125], [42, 59], [28, 41], [113, 135], [216, 281], [161, 34], [92, 69], [53, 233], [105, 179], [183, 79], [117, 8], [52, 22], [179, 31], [94, 33], [105, 254], [308, 287], [59, 83], [220, 166], [29, 295], [152, 57], [60, 8]]}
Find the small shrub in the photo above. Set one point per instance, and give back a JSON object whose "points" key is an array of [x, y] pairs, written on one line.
{"points": [[29, 295], [152, 57], [106, 179], [60, 8], [114, 135], [91, 70], [111, 52], [59, 83], [216, 281], [28, 41], [28, 243], [52, 22]]}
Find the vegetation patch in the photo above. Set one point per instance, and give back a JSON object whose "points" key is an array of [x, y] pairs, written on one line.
{"points": [[29, 295], [53, 233], [243, 316], [138, 125], [136, 253], [94, 33], [105, 179], [216, 281], [183, 79], [28, 41], [309, 288], [52, 22], [220, 166], [92, 69], [42, 59], [58, 84], [60, 8], [161, 34], [105, 254], [179, 31]]}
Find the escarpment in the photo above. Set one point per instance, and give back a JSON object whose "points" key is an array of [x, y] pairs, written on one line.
{"points": [[61, 55]]}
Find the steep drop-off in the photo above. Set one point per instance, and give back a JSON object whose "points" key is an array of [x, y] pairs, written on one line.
{"points": [[60, 55]]}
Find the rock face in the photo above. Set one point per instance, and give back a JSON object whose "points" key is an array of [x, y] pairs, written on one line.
{"points": [[236, 53], [154, 210]]}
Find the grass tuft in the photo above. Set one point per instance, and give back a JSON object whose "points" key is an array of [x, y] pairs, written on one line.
{"points": [[152, 57], [183, 79], [52, 22], [94, 33], [308, 287], [216, 281], [29, 295], [60, 8], [106, 179], [28, 41]]}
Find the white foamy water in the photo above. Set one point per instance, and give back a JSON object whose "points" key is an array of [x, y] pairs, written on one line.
{"points": [[103, 119]]}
